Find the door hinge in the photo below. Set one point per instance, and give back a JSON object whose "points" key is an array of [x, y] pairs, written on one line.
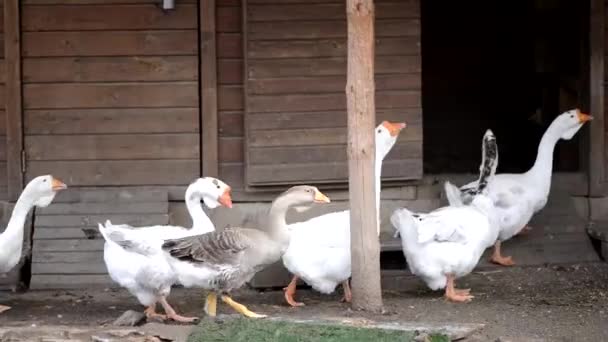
{"points": [[23, 161]]}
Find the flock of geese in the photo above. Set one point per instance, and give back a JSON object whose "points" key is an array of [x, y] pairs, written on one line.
{"points": [[440, 246]]}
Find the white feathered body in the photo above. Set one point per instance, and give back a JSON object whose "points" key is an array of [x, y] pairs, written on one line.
{"points": [[328, 263], [516, 197], [448, 240]]}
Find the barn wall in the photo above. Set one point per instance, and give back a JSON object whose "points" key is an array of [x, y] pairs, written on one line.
{"points": [[111, 107], [110, 92]]}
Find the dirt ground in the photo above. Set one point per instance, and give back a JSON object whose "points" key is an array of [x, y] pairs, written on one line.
{"points": [[553, 303]]}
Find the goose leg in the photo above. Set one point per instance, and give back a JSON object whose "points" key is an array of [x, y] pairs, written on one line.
{"points": [[497, 257], [290, 290], [456, 295], [173, 315], [4, 308], [211, 304], [240, 308], [348, 295], [150, 312]]}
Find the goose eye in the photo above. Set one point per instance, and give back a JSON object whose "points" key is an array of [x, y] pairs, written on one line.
{"points": [[379, 131], [44, 180], [571, 115], [218, 186]]}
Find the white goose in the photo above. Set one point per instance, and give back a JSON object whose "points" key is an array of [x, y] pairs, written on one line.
{"points": [[518, 196], [147, 275], [319, 250], [447, 243], [39, 192]]}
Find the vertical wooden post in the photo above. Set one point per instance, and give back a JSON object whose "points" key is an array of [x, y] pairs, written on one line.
{"points": [[597, 146], [360, 92], [208, 74], [13, 105]]}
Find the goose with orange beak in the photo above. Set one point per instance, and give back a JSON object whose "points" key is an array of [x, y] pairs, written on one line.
{"points": [[518, 196], [39, 192], [319, 252]]}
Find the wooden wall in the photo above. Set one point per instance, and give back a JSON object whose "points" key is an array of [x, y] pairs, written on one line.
{"points": [[110, 91], [230, 91], [3, 170], [295, 100]]}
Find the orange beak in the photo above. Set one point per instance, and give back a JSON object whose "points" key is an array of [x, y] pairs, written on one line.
{"points": [[57, 185], [225, 198], [321, 198], [394, 127], [582, 117]]}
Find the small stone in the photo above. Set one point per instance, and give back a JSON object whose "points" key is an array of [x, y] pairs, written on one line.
{"points": [[130, 319], [100, 339]]}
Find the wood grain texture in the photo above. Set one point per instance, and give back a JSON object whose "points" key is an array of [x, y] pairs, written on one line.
{"points": [[361, 108], [13, 102], [107, 17], [295, 74], [209, 91], [597, 148]]}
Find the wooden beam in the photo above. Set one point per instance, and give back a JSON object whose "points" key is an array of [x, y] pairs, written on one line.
{"points": [[597, 147], [208, 74], [361, 107], [14, 110]]}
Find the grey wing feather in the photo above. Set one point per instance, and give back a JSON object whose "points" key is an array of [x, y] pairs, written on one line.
{"points": [[219, 248]]}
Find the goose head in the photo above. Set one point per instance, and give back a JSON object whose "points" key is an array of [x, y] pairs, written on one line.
{"points": [[568, 123], [302, 195], [42, 190], [386, 136], [213, 192]]}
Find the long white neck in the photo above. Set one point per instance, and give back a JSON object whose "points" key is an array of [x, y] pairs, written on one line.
{"points": [[14, 229], [277, 226], [200, 221], [542, 170], [378, 179]]}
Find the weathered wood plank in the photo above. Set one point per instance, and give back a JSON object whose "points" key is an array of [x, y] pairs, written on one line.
{"points": [[67, 245], [104, 208], [327, 119], [14, 97], [229, 19], [110, 95], [124, 172], [125, 195], [107, 17], [71, 281], [230, 71], [230, 150], [231, 124], [110, 69], [67, 257], [315, 137], [115, 120], [329, 101], [597, 149], [325, 84], [90, 2], [402, 46], [209, 91], [319, 29], [53, 233], [319, 154], [70, 268], [327, 66], [331, 172], [110, 43], [230, 98], [323, 11], [86, 220], [117, 147], [229, 45]]}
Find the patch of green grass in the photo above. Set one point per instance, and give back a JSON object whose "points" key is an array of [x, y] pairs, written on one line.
{"points": [[250, 330]]}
